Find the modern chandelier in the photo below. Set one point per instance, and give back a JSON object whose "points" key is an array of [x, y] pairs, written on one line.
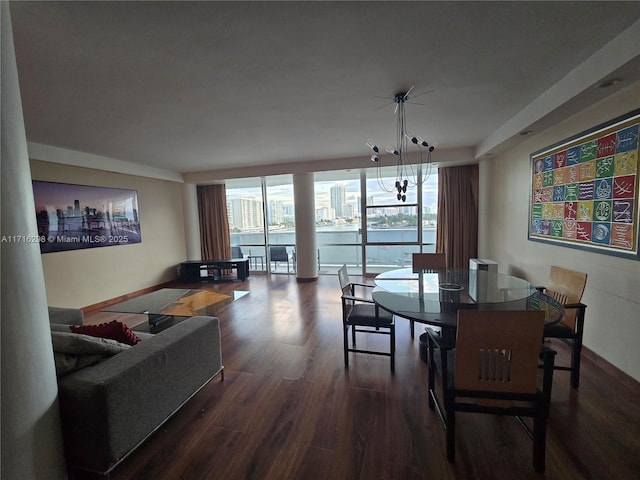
{"points": [[406, 174]]}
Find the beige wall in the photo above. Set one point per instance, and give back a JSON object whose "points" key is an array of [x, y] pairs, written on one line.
{"points": [[84, 277], [612, 295]]}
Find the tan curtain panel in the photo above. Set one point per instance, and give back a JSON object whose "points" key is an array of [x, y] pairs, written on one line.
{"points": [[457, 233], [214, 222]]}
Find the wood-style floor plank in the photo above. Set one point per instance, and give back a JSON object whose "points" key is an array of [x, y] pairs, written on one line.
{"points": [[288, 409]]}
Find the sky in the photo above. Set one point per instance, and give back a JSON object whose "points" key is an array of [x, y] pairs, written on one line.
{"points": [[51, 195]]}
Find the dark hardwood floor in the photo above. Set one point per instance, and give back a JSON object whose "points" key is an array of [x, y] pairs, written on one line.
{"points": [[287, 408]]}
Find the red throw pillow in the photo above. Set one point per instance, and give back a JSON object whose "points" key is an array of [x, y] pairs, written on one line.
{"points": [[114, 330]]}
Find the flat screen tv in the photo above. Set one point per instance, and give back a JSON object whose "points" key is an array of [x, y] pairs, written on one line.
{"points": [[72, 217]]}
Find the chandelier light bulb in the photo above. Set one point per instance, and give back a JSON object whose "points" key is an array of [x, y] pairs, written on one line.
{"points": [[412, 137], [372, 146], [374, 158], [392, 150], [421, 142]]}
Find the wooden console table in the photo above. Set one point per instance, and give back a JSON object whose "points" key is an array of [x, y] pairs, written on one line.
{"points": [[211, 270]]}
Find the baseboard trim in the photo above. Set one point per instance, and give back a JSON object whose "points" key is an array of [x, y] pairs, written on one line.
{"points": [[102, 305], [306, 280], [627, 380]]}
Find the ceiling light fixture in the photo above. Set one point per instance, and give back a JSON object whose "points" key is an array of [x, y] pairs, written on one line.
{"points": [[406, 175]]}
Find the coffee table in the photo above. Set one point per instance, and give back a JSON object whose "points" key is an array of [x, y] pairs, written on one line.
{"points": [[169, 306]]}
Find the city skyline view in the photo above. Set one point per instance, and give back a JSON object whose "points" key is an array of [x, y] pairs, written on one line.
{"points": [[64, 198], [282, 191]]}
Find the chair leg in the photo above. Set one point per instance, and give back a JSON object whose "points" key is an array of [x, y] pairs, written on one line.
{"points": [[431, 380], [412, 328], [450, 426], [353, 335], [392, 335], [345, 329], [576, 348], [539, 442]]}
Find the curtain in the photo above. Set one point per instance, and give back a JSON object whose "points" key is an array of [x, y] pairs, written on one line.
{"points": [[214, 222], [457, 233]]}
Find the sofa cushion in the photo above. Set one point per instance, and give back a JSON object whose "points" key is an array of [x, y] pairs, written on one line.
{"points": [[74, 351], [66, 316], [114, 330]]}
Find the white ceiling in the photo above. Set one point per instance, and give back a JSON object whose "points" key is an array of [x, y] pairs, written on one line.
{"points": [[192, 87]]}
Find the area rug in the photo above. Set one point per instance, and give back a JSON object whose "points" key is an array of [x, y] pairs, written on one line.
{"points": [[177, 302]]}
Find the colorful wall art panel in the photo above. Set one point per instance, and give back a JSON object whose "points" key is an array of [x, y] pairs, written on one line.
{"points": [[584, 191]]}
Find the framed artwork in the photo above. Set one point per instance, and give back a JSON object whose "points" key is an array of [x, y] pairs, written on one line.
{"points": [[72, 217], [584, 190]]}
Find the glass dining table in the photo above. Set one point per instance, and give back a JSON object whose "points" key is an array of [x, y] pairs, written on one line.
{"points": [[435, 298]]}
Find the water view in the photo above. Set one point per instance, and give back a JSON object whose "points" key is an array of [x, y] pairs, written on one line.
{"points": [[342, 244]]}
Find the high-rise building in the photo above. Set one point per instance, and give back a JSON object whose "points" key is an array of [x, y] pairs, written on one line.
{"points": [[245, 214], [350, 211], [338, 199], [325, 213], [276, 212]]}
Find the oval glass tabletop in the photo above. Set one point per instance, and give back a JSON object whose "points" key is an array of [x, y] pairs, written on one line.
{"points": [[435, 298], [456, 285]]}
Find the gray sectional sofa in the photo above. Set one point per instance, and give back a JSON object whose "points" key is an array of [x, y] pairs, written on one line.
{"points": [[109, 408]]}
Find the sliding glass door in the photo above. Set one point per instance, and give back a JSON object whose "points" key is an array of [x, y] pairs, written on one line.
{"points": [[338, 221], [357, 223], [245, 209], [281, 225]]}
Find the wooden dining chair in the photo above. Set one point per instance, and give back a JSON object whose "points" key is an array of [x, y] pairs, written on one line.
{"points": [[428, 263], [492, 368], [362, 315], [567, 286]]}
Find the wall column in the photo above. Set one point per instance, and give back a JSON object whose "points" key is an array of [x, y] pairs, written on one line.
{"points": [[305, 213], [191, 221], [31, 434]]}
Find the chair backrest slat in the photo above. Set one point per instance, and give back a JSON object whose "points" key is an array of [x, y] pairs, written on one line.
{"points": [[498, 351], [428, 262]]}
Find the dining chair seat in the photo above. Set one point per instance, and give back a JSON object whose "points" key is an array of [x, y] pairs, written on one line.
{"points": [[365, 315]]}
